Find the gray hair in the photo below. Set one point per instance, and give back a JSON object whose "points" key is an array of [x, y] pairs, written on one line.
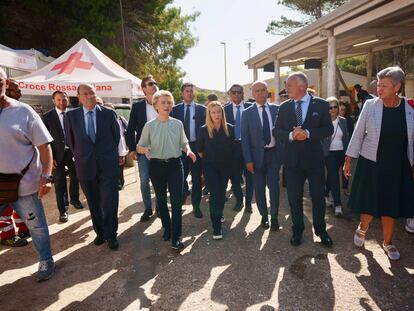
{"points": [[395, 74], [332, 99], [299, 76], [259, 82]]}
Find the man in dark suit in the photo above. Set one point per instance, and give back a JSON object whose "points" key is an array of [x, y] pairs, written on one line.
{"points": [[193, 117], [302, 124], [92, 133], [62, 156], [234, 111], [262, 154], [142, 112]]}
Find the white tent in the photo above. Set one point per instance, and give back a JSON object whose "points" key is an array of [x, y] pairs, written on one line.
{"points": [[83, 63], [16, 59]]}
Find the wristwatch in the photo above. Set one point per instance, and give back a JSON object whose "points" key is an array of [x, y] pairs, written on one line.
{"points": [[46, 176]]}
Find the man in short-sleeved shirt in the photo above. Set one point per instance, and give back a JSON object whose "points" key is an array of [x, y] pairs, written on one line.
{"points": [[21, 131]]}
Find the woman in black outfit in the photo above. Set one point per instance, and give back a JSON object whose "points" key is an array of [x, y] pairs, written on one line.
{"points": [[215, 146], [345, 112]]}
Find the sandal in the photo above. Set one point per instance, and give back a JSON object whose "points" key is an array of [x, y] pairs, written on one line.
{"points": [[359, 236], [391, 251]]}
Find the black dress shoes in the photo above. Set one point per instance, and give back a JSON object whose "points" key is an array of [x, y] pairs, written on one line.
{"points": [[167, 235], [113, 244], [326, 239], [238, 206], [146, 216], [296, 239], [265, 222], [197, 212], [99, 240], [77, 204], [248, 208], [274, 224]]}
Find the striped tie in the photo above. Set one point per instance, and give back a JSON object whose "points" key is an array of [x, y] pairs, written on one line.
{"points": [[299, 113]]}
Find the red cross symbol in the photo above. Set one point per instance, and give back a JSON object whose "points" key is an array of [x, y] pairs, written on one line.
{"points": [[74, 61]]}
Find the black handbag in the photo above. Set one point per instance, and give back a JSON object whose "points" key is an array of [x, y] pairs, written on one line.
{"points": [[9, 185]]}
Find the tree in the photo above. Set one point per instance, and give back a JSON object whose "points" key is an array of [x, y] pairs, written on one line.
{"points": [[157, 35], [311, 10]]}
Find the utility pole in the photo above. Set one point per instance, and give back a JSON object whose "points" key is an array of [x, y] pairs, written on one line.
{"points": [[225, 67], [123, 36], [249, 45]]}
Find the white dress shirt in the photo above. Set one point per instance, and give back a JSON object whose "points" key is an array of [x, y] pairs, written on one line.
{"points": [[151, 113], [59, 112], [241, 105], [269, 117]]}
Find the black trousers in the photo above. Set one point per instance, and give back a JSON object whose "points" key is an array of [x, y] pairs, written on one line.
{"points": [[195, 169], [334, 162], [103, 199], [239, 168], [295, 179], [61, 185], [217, 175], [168, 174]]}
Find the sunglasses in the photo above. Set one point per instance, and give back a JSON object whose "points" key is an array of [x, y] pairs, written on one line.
{"points": [[333, 107], [151, 83]]}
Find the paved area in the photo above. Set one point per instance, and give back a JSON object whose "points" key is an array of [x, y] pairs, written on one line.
{"points": [[250, 269]]}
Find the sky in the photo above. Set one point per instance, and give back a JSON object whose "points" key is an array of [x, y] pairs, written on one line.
{"points": [[236, 22]]}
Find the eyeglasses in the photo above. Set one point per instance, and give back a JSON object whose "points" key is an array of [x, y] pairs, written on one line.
{"points": [[236, 92], [151, 83], [333, 107]]}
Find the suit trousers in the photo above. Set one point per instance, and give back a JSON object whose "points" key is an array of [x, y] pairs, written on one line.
{"points": [[60, 183], [103, 199], [239, 168], [295, 179], [168, 174], [333, 163], [195, 169], [217, 176], [267, 175]]}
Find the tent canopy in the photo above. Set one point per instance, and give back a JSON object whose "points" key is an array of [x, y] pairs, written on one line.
{"points": [[17, 60], [83, 63]]}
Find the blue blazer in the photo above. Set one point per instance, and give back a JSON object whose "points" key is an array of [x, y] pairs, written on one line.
{"points": [[199, 116], [252, 135], [307, 153], [99, 159], [228, 110], [137, 120]]}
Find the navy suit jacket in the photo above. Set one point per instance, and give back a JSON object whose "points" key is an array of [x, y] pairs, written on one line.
{"points": [[228, 110], [137, 120], [99, 159], [252, 140], [307, 153], [199, 115], [52, 123]]}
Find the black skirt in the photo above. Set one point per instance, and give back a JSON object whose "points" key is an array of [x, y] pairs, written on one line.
{"points": [[386, 187]]}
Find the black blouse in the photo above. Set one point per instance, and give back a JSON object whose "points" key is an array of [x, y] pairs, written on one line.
{"points": [[218, 149]]}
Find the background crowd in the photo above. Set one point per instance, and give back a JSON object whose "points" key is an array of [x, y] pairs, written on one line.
{"points": [[246, 143]]}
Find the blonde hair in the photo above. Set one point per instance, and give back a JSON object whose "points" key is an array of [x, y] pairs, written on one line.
{"points": [[209, 122], [159, 94]]}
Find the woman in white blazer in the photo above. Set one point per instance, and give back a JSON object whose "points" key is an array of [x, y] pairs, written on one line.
{"points": [[383, 143]]}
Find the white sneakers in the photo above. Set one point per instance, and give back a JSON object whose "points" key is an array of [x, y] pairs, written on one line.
{"points": [[338, 211], [391, 251], [409, 226]]}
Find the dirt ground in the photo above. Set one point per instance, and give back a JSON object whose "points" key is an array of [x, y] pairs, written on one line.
{"points": [[250, 269]]}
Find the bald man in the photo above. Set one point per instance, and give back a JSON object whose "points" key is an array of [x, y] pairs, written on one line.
{"points": [[92, 134]]}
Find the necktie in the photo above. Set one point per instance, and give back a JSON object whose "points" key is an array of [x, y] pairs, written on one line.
{"points": [[63, 123], [91, 128], [299, 113], [237, 127], [187, 121], [266, 126]]}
